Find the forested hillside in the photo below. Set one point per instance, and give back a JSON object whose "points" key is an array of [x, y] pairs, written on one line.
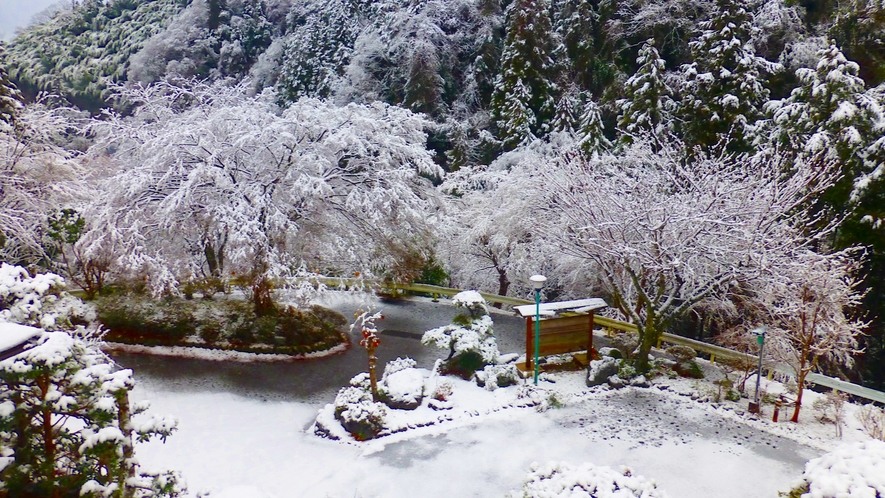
{"points": [[507, 90]]}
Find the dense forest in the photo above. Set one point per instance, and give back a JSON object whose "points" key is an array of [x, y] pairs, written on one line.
{"points": [[412, 123]]}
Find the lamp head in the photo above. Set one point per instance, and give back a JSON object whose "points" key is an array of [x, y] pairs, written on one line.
{"points": [[538, 281]]}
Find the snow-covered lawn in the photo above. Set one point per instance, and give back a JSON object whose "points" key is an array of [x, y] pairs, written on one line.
{"points": [[484, 446]]}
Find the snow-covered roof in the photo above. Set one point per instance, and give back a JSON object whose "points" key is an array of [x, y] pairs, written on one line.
{"points": [[575, 306], [13, 336]]}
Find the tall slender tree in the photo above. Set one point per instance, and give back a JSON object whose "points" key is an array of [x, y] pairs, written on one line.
{"points": [[526, 80], [648, 105]]}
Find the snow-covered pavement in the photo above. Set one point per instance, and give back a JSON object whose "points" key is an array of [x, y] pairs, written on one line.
{"points": [[232, 446]]}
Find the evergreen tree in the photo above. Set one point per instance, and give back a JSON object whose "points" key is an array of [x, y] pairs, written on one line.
{"points": [[724, 88], [318, 50], [517, 118], [647, 107], [568, 112], [592, 138], [584, 50], [526, 72], [10, 98], [830, 118]]}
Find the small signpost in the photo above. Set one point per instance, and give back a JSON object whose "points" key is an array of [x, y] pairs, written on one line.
{"points": [[563, 327]]}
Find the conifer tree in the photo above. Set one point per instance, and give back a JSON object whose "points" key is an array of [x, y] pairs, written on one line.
{"points": [[316, 54], [517, 118], [592, 131], [526, 73], [647, 107], [568, 112], [724, 88], [830, 118]]}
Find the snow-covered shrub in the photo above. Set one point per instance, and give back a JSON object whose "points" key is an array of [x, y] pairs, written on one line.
{"points": [[494, 376], [599, 371], [443, 390], [67, 427], [872, 419], [397, 365], [355, 410], [853, 470], [402, 385], [686, 366], [40, 301], [560, 479], [469, 339]]}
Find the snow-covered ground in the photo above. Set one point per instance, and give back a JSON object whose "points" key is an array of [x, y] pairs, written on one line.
{"points": [[231, 446]]}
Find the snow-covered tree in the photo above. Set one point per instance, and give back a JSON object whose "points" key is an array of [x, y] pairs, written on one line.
{"points": [[523, 100], [67, 427], [591, 134], [568, 112], [490, 224], [809, 299], [469, 340], [207, 169], [832, 118], [36, 176], [317, 51], [725, 87], [664, 237], [41, 301], [647, 107], [66, 424], [10, 99]]}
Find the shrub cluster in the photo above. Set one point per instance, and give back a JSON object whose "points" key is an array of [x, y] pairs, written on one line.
{"points": [[224, 324]]}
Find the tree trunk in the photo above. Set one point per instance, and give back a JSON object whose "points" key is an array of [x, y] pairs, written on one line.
{"points": [[48, 437], [647, 340], [127, 464], [800, 381], [503, 285], [373, 377]]}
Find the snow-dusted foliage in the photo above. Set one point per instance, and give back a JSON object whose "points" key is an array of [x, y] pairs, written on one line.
{"points": [[852, 471], [725, 88], [494, 376], [563, 480], [523, 101], [209, 181], [354, 408], [80, 50], [664, 237], [37, 175], [41, 301], [402, 385], [808, 298], [470, 340], [492, 226], [67, 427], [648, 105]]}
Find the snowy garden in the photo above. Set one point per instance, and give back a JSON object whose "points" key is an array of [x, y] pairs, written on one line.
{"points": [[198, 197]]}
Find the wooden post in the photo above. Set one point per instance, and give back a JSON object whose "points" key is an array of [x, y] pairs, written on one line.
{"points": [[529, 343], [590, 339]]}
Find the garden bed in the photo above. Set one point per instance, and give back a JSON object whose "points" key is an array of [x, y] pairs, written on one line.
{"points": [[220, 324]]}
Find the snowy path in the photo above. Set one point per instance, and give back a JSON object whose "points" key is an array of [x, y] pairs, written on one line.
{"points": [[238, 447]]}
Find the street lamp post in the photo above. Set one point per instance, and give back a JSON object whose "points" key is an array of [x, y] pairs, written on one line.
{"points": [[760, 338], [537, 284]]}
